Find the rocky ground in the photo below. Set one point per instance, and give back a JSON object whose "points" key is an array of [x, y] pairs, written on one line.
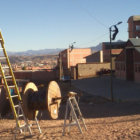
{"points": [[104, 120]]}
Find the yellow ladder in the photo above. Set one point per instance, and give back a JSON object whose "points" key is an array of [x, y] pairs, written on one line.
{"points": [[15, 106]]}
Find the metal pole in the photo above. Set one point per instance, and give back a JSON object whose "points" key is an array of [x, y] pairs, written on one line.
{"points": [[111, 74], [70, 65]]}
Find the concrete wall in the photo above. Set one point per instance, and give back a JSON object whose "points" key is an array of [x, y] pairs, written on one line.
{"points": [[89, 70]]}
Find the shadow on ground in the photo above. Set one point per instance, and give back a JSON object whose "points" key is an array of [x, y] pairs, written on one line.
{"points": [[92, 106]]}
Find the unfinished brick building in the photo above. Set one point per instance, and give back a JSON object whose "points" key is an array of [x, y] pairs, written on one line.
{"points": [[134, 26], [128, 62], [71, 57]]}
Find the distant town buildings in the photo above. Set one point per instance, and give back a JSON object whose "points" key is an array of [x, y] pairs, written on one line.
{"points": [[83, 63], [35, 65]]}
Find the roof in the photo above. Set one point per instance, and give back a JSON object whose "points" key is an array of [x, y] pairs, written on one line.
{"points": [[138, 49], [115, 45], [134, 18], [135, 41]]}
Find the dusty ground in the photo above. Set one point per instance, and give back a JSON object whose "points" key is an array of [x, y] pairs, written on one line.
{"points": [[104, 120]]}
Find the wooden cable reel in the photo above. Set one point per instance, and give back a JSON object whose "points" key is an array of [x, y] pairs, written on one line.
{"points": [[35, 100]]}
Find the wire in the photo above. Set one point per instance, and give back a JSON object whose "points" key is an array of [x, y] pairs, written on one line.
{"points": [[93, 40], [95, 18], [92, 16]]}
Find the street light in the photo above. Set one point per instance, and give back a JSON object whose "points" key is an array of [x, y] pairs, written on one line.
{"points": [[70, 49], [71, 46], [112, 38]]}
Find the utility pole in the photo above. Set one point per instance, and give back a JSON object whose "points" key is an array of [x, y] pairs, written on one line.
{"points": [[70, 50], [111, 73]]}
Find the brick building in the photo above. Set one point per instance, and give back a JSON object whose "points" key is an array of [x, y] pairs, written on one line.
{"points": [[116, 49], [134, 26], [95, 57], [128, 62], [70, 58]]}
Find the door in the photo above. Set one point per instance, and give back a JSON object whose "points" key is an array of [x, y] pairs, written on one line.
{"points": [[129, 64]]}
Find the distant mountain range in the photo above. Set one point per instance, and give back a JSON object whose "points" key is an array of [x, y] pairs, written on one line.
{"points": [[99, 46], [50, 51], [46, 51], [36, 52], [96, 48]]}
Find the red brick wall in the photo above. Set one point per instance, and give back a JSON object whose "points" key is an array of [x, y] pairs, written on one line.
{"points": [[137, 66], [116, 51], [78, 56], [74, 56], [121, 57], [132, 29], [137, 72], [136, 56], [64, 57], [120, 70], [106, 54], [120, 65], [23, 74], [37, 76]]}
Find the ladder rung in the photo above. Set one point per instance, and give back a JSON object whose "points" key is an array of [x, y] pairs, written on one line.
{"points": [[14, 96], [22, 126], [33, 124], [16, 106], [21, 115], [12, 86], [2, 57], [5, 67], [8, 77], [72, 124]]}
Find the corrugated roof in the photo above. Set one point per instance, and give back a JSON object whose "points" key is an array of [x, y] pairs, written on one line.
{"points": [[135, 41], [134, 18]]}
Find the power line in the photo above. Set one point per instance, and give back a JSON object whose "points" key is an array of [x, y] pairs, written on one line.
{"points": [[95, 18], [101, 36], [92, 16]]}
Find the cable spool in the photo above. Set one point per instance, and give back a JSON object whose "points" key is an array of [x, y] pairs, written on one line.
{"points": [[4, 103], [34, 100]]}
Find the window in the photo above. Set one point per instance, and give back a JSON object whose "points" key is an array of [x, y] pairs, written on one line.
{"points": [[124, 67], [137, 27], [138, 68], [118, 66]]}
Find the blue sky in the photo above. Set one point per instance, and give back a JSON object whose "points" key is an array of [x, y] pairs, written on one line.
{"points": [[42, 24]]}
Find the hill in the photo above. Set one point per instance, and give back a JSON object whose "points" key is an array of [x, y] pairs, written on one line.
{"points": [[36, 52]]}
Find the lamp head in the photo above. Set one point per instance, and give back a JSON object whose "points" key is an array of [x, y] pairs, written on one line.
{"points": [[119, 22]]}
